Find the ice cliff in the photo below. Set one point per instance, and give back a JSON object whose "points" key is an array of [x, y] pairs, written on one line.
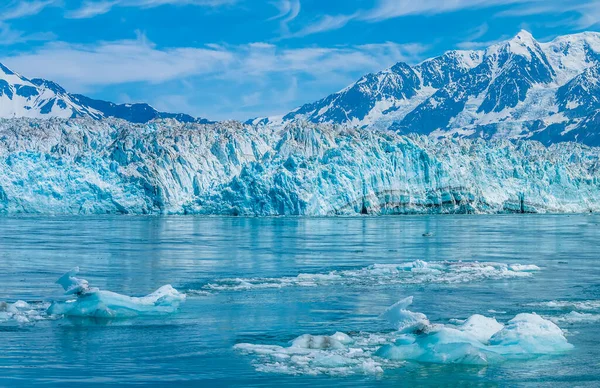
{"points": [[84, 166]]}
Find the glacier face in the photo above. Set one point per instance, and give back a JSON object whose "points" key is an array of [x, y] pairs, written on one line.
{"points": [[84, 166]]}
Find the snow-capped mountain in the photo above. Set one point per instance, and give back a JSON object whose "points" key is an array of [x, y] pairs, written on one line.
{"points": [[519, 88], [39, 98]]}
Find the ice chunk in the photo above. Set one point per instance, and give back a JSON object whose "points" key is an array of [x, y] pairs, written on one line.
{"points": [[92, 302], [403, 319], [586, 305], [575, 317], [479, 340], [480, 327], [71, 284], [336, 341], [336, 354], [529, 334], [22, 312]]}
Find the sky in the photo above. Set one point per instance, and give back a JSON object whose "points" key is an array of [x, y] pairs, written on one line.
{"points": [[239, 59]]}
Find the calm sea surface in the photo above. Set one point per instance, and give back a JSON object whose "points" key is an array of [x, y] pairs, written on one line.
{"points": [[241, 278]]}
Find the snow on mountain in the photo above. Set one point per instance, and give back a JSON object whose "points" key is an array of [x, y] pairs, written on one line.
{"points": [[85, 166], [39, 98], [513, 89]]}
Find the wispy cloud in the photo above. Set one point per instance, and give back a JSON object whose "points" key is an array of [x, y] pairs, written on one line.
{"points": [[12, 10], [92, 8], [586, 12], [9, 36], [139, 60], [288, 11], [389, 9], [323, 24]]}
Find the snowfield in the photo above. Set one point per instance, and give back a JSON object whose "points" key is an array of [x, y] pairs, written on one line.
{"points": [[85, 166]]}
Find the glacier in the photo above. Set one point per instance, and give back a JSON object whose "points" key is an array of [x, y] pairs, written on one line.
{"points": [[85, 166]]}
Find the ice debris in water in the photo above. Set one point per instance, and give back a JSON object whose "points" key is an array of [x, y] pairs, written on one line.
{"points": [[413, 272], [586, 305], [591, 310], [92, 302], [477, 341], [22, 312]]}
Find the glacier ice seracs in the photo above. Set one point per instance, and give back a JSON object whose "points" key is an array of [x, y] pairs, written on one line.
{"points": [[477, 341], [83, 166]]}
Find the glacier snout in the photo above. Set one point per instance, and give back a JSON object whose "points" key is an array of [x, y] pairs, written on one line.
{"points": [[84, 166]]}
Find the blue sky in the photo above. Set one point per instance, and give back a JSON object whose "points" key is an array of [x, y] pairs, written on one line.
{"points": [[245, 58]]}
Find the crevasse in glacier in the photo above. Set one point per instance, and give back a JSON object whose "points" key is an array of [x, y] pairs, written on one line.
{"points": [[83, 166]]}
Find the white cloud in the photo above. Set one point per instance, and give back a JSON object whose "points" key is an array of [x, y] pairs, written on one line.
{"points": [[389, 9], [12, 10], [138, 60], [288, 11], [93, 8], [587, 11], [90, 9], [9, 36], [323, 24]]}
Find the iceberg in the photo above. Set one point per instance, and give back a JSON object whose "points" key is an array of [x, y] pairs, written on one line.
{"points": [[92, 302], [83, 166], [479, 340]]}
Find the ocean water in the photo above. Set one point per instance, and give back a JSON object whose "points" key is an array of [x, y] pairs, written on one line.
{"points": [[259, 283]]}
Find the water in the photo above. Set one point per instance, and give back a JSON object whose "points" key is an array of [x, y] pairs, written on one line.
{"points": [[137, 255]]}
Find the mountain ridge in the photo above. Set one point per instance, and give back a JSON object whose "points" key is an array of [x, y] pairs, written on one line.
{"points": [[41, 98], [514, 89]]}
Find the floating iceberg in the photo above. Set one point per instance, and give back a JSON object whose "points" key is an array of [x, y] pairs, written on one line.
{"points": [[412, 272], [92, 302], [166, 167], [477, 341]]}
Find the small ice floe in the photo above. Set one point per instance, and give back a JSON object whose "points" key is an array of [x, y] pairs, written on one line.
{"points": [[579, 311], [479, 340], [575, 317], [583, 305], [92, 302], [22, 312], [412, 272]]}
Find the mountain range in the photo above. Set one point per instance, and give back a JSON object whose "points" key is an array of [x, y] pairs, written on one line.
{"points": [[40, 98], [516, 89], [519, 88]]}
